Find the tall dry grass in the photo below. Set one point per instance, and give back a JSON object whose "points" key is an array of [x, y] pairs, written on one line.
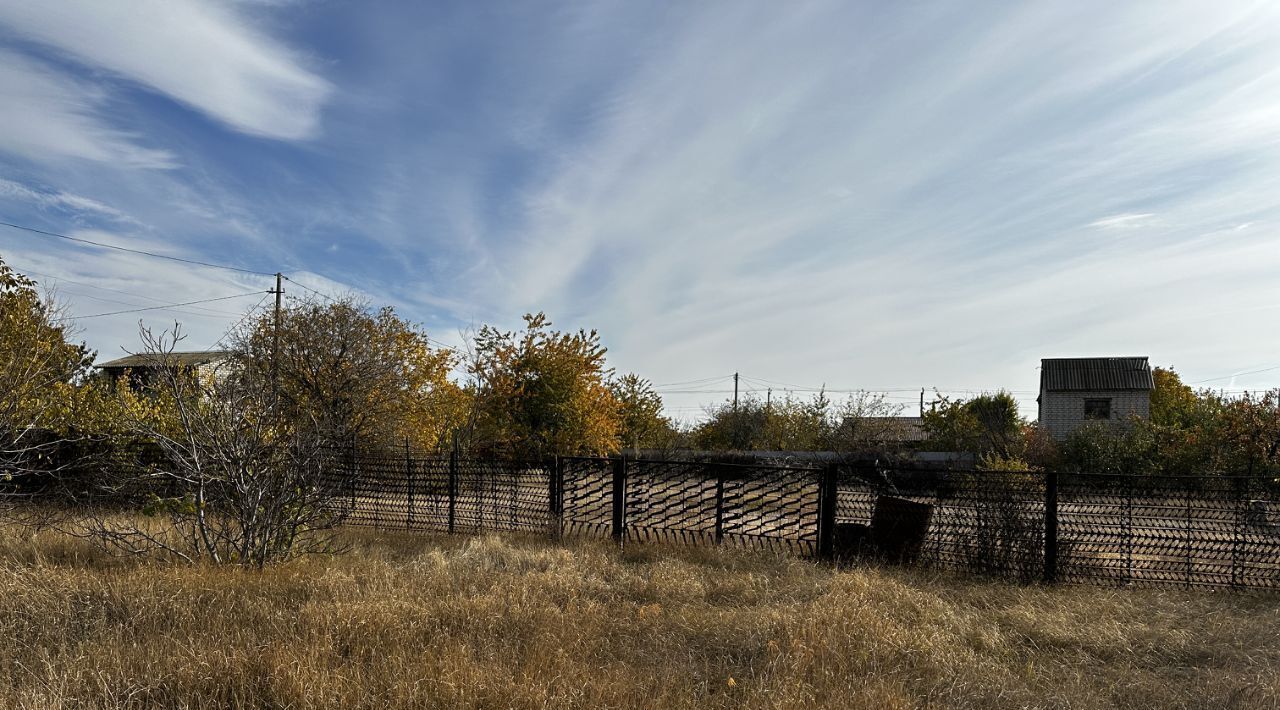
{"points": [[491, 622]]}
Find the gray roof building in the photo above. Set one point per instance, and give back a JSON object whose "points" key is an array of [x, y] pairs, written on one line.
{"points": [[1076, 390], [142, 368], [193, 358]]}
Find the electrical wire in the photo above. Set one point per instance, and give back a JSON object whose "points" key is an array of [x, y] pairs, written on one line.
{"points": [[702, 381], [243, 318], [1238, 374], [59, 279], [304, 287], [161, 308], [33, 230]]}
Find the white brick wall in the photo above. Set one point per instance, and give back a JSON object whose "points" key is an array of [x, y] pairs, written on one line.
{"points": [[1062, 412]]}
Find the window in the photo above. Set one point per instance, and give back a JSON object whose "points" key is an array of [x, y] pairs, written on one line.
{"points": [[1097, 409]]}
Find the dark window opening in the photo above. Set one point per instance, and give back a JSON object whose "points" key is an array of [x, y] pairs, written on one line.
{"points": [[1097, 409]]}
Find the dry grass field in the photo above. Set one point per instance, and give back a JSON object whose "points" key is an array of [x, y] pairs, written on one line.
{"points": [[412, 621]]}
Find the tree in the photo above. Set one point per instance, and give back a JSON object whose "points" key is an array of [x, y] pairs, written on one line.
{"points": [[746, 425], [40, 369], [541, 392], [640, 419], [1250, 432], [1172, 402], [352, 372], [236, 482], [986, 425], [864, 424]]}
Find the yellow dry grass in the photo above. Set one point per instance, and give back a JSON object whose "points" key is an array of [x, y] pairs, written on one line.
{"points": [[496, 622]]}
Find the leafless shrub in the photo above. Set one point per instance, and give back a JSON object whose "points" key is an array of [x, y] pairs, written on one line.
{"points": [[233, 482]]}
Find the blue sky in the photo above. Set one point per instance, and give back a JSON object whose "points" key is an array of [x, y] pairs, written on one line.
{"points": [[866, 195]]}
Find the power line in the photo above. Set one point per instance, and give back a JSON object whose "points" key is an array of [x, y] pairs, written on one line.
{"points": [[161, 308], [135, 251], [243, 318], [445, 346], [59, 279], [702, 381], [304, 287], [1238, 374]]}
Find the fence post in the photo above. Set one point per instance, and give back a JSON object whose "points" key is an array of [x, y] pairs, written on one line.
{"points": [[1238, 528], [1186, 493], [1128, 530], [719, 504], [555, 499], [408, 474], [619, 497], [1051, 527], [352, 474], [453, 482], [828, 489]]}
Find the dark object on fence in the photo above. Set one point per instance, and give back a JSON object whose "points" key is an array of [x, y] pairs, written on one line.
{"points": [[852, 541], [897, 533], [899, 527]]}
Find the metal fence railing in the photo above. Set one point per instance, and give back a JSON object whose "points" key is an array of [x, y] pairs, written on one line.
{"points": [[1082, 528]]}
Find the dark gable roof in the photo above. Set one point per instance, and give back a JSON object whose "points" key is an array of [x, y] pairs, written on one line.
{"points": [[1095, 373], [186, 359]]}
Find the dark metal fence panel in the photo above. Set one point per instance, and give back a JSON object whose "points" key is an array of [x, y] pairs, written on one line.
{"points": [[436, 493], [700, 502], [586, 496], [1214, 531], [776, 507], [670, 501]]}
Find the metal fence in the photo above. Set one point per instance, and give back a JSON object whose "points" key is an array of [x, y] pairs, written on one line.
{"points": [[1142, 530]]}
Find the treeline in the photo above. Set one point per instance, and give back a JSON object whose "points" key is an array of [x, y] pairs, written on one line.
{"points": [[355, 374], [1189, 431]]}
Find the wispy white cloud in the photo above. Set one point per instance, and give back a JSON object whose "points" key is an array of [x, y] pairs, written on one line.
{"points": [[870, 196], [48, 116], [204, 54], [866, 195], [12, 190], [1122, 221]]}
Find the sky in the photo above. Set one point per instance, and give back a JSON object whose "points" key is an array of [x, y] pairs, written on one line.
{"points": [[856, 195]]}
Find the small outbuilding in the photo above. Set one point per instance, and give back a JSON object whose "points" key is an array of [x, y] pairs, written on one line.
{"points": [[1082, 389], [143, 368]]}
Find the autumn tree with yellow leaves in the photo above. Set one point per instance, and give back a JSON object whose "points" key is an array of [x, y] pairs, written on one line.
{"points": [[354, 373], [540, 392], [39, 371]]}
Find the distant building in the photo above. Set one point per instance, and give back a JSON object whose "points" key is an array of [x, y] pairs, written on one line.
{"points": [[143, 368], [898, 430], [1077, 390]]}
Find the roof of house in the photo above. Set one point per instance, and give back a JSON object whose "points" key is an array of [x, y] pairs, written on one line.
{"points": [[1095, 373], [902, 428], [187, 359]]}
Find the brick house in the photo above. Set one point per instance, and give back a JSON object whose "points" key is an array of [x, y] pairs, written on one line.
{"points": [[1076, 390], [143, 369]]}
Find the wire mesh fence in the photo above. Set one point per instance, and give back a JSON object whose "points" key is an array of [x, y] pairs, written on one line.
{"points": [[1081, 528], [440, 493]]}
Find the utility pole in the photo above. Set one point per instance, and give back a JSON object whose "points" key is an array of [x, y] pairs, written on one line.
{"points": [[735, 391], [922, 402], [768, 399], [275, 340]]}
